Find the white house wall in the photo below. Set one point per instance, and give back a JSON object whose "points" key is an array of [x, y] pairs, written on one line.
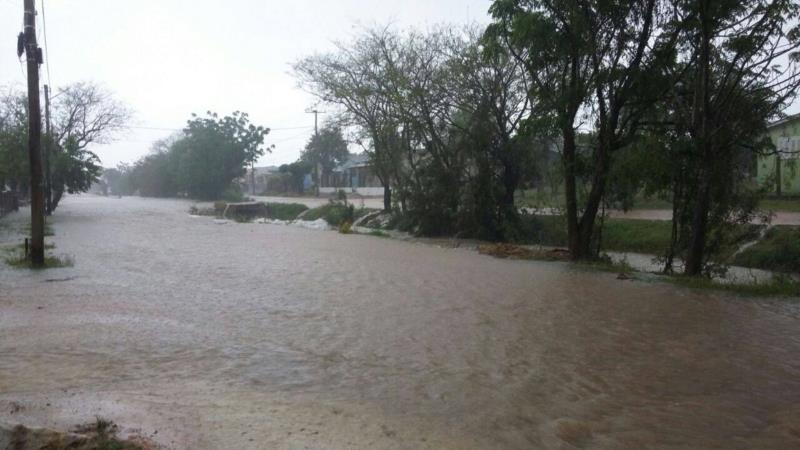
{"points": [[364, 191]]}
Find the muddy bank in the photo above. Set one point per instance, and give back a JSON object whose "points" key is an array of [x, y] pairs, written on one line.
{"points": [[251, 336]]}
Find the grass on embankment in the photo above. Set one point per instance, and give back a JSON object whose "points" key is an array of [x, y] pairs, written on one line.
{"points": [[788, 204], [285, 211], [547, 199], [779, 251], [779, 286], [620, 235]]}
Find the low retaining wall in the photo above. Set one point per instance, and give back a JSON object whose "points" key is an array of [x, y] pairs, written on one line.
{"points": [[363, 191]]}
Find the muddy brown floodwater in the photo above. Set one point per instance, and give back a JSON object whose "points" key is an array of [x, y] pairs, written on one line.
{"points": [[209, 336]]}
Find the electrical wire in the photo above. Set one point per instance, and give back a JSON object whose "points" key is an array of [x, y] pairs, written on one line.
{"points": [[132, 127], [46, 53], [293, 137]]}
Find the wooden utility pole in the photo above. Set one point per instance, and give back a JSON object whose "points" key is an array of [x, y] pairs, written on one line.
{"points": [[48, 189], [316, 162], [33, 56], [252, 178]]}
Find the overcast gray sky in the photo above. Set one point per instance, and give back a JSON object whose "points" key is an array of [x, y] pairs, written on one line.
{"points": [[169, 58]]}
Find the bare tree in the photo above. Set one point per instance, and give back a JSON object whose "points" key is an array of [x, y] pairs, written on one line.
{"points": [[83, 114]]}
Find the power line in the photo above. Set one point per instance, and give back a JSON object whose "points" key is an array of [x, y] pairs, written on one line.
{"points": [[291, 138], [181, 129], [150, 128], [290, 128], [46, 53]]}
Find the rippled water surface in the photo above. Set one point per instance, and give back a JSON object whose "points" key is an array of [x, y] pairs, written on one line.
{"points": [[204, 335]]}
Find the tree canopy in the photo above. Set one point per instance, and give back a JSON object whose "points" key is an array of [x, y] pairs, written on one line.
{"points": [[200, 162]]}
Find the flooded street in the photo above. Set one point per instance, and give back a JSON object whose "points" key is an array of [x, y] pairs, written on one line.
{"points": [[234, 336]]}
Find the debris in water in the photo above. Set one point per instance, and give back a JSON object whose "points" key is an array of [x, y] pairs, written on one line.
{"points": [[59, 280]]}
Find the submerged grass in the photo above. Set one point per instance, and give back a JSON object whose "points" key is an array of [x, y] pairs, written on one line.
{"points": [[19, 261], [15, 257], [378, 233], [48, 230], [779, 286]]}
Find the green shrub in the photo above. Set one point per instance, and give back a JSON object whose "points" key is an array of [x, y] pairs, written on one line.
{"points": [[346, 228], [550, 231], [400, 222], [333, 213], [285, 211], [233, 195]]}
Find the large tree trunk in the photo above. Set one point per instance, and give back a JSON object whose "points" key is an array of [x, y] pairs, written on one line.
{"points": [[570, 192], [586, 225], [387, 197], [507, 208], [57, 194], [697, 244], [673, 240], [697, 241]]}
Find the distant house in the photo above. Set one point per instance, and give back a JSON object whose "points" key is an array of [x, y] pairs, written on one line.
{"points": [[353, 176], [256, 180], [781, 171]]}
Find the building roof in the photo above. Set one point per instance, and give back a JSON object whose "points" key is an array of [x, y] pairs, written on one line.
{"points": [[783, 121], [356, 160], [265, 170]]}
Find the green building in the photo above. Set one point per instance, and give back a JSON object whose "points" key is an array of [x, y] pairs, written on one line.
{"points": [[781, 171]]}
